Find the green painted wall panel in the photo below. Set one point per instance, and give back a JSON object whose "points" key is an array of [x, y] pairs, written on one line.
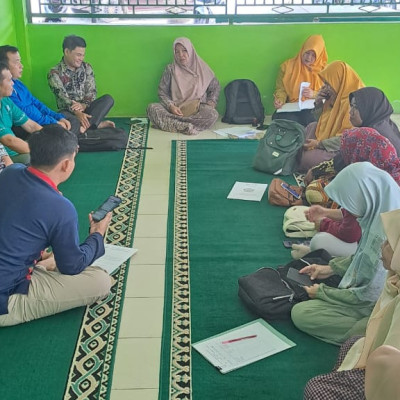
{"points": [[128, 60], [7, 23]]}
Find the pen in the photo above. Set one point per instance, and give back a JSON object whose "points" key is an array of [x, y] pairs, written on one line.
{"points": [[238, 339]]}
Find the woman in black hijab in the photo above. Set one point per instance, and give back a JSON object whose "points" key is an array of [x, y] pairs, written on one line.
{"points": [[375, 111]]}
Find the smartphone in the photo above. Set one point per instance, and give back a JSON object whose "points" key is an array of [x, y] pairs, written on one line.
{"points": [[301, 279], [288, 243], [107, 206], [290, 190]]}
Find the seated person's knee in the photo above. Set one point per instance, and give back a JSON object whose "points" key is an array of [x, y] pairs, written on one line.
{"points": [[101, 281]]}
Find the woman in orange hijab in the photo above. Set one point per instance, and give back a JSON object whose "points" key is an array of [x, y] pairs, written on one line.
{"points": [[323, 137], [304, 67]]}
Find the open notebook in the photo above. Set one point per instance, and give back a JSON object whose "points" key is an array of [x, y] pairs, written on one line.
{"points": [[300, 105]]}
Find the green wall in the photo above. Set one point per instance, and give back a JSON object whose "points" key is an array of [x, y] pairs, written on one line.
{"points": [[128, 60], [7, 25]]}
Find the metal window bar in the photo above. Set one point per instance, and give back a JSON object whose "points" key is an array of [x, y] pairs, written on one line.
{"points": [[212, 11]]}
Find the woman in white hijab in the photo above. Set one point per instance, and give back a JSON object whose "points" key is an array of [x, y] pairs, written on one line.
{"points": [[336, 314], [188, 93], [368, 367]]}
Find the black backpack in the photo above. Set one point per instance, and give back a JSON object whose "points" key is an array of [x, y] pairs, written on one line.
{"points": [[243, 103], [103, 139]]}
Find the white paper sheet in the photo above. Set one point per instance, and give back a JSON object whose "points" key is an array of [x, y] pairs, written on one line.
{"points": [[242, 346], [247, 191], [114, 257], [300, 105]]}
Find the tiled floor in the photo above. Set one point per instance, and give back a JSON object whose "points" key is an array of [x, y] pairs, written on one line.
{"points": [[138, 353], [137, 360]]}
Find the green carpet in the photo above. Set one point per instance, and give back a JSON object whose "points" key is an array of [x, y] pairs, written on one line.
{"points": [[71, 355], [211, 242]]}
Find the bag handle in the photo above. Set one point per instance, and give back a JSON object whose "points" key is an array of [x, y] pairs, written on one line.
{"points": [[288, 224], [280, 135]]}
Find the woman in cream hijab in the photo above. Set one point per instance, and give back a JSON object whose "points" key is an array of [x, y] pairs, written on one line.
{"points": [[323, 137], [375, 358], [336, 314], [188, 93], [305, 67]]}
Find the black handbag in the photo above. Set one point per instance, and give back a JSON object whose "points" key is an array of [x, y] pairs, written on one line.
{"points": [[104, 139], [269, 293]]}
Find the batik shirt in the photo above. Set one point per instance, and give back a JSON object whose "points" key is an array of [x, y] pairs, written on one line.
{"points": [[68, 84]]}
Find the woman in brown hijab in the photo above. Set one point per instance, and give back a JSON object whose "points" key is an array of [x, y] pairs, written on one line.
{"points": [[188, 93]]}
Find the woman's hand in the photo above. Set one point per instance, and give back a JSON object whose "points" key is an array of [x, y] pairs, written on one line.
{"points": [[315, 213], [175, 110], [308, 93], [312, 290], [211, 103], [277, 103], [316, 271], [311, 144]]}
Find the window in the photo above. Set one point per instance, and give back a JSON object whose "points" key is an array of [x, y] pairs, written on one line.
{"points": [[210, 11]]}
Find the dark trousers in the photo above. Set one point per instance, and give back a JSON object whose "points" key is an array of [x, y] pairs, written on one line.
{"points": [[98, 109], [75, 126]]}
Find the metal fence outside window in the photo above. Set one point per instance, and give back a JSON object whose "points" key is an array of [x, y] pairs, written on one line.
{"points": [[210, 11]]}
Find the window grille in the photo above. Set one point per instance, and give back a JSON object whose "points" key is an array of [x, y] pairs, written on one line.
{"points": [[210, 11]]}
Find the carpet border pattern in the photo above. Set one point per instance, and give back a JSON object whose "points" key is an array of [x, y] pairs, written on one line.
{"points": [[91, 365], [180, 361]]}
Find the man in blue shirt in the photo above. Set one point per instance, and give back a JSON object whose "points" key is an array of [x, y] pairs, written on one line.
{"points": [[34, 215], [11, 115], [30, 105]]}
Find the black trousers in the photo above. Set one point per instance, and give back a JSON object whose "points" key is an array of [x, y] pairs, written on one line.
{"points": [[75, 126], [98, 109]]}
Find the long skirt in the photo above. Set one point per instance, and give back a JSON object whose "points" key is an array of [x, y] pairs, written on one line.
{"points": [[166, 121], [343, 385]]}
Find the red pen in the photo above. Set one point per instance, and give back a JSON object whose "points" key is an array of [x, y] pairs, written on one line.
{"points": [[238, 339]]}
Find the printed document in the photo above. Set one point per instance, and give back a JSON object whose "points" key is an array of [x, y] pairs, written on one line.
{"points": [[114, 257], [300, 105], [243, 345], [247, 191]]}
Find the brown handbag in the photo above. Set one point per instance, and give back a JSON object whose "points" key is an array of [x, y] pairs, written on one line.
{"points": [[190, 107], [279, 196]]}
